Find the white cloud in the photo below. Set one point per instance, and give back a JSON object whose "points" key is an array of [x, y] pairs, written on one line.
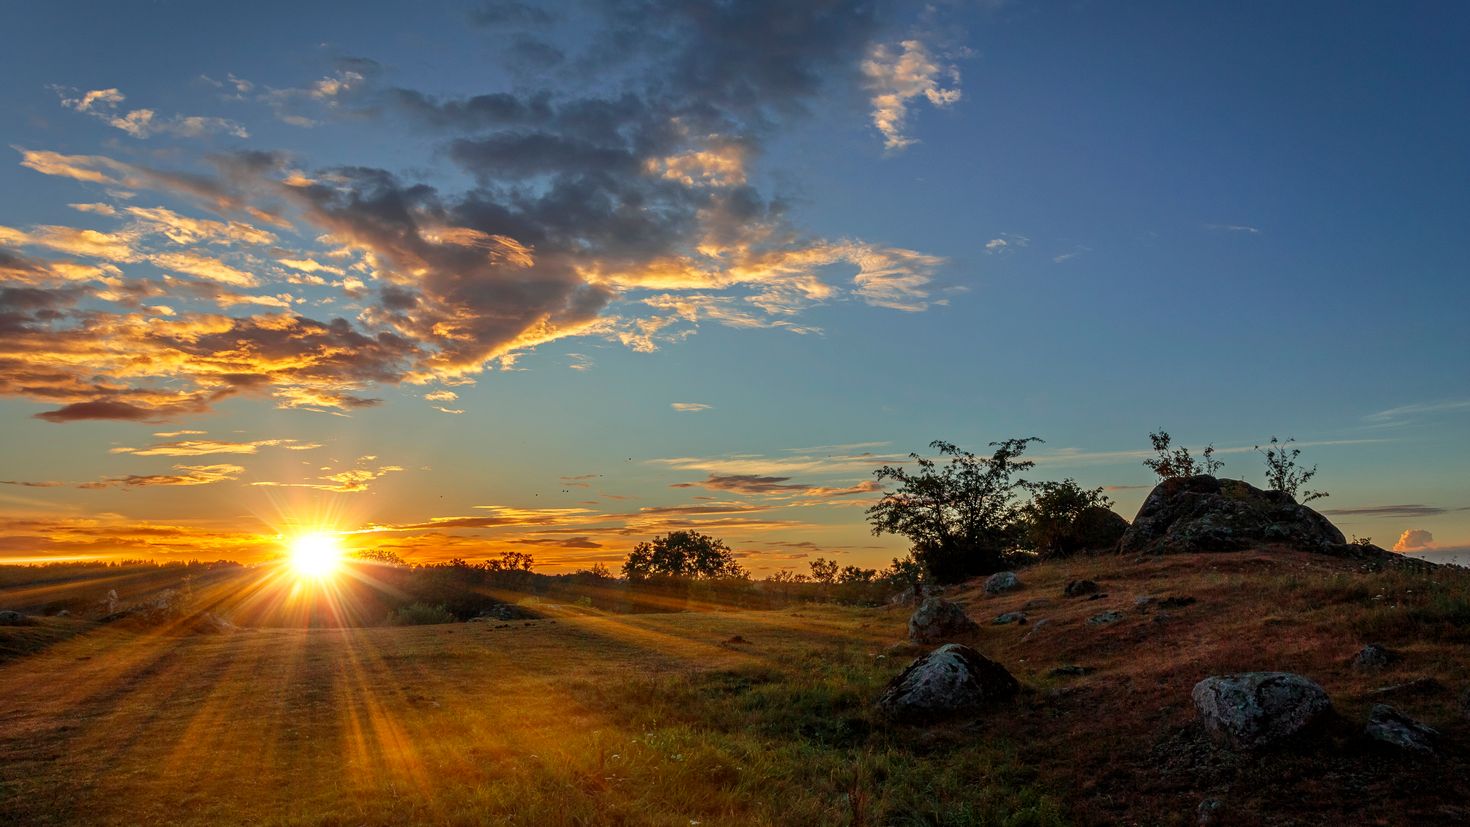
{"points": [[1415, 539], [141, 123], [690, 407], [896, 77]]}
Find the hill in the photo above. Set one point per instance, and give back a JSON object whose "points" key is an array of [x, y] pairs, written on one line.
{"points": [[757, 717]]}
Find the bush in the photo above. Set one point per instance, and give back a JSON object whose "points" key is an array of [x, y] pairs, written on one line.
{"points": [[419, 614], [1063, 518], [962, 517]]}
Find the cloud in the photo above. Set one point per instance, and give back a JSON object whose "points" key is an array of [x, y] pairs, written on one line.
{"points": [[1234, 228], [690, 407], [143, 123], [354, 480], [1006, 243], [1414, 539], [896, 77], [1406, 413], [203, 447], [744, 484], [629, 213], [187, 475], [1411, 510]]}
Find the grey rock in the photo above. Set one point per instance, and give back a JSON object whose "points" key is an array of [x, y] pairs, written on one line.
{"points": [[937, 619], [1143, 601], [1390, 726], [1202, 513], [1078, 588], [1009, 617], [1036, 603], [1072, 669], [11, 618], [1251, 710], [1001, 582], [951, 680], [1373, 656], [1105, 618]]}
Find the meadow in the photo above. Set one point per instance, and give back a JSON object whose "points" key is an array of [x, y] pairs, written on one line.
{"points": [[746, 716]]}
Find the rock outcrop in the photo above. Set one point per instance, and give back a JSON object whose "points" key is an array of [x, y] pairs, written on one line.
{"points": [[1202, 513], [937, 620], [11, 618], [1252, 710], [951, 680]]}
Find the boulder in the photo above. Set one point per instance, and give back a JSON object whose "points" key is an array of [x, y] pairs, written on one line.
{"points": [[1002, 582], [1252, 710], [1390, 726], [1373, 656], [1078, 588], [952, 679], [937, 619], [1105, 618], [1036, 627], [1202, 513], [11, 618], [1009, 617]]}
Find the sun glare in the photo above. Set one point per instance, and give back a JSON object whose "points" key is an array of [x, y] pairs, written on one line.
{"points": [[316, 555]]}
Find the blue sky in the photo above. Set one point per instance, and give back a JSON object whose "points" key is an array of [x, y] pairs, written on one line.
{"points": [[831, 233]]}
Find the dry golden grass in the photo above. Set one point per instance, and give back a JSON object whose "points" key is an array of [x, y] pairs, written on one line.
{"points": [[658, 719]]}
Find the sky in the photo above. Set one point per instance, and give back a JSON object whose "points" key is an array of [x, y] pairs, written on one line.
{"points": [[457, 278]]}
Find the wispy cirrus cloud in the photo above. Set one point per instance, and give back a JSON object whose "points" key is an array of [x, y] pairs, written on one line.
{"points": [[897, 75]]}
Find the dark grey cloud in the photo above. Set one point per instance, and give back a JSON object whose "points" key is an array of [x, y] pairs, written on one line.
{"points": [[744, 484], [1409, 510]]}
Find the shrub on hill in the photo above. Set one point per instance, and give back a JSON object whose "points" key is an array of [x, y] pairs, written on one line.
{"points": [[419, 614]]}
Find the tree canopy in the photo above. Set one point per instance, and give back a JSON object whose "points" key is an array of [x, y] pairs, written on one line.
{"points": [[682, 554]]}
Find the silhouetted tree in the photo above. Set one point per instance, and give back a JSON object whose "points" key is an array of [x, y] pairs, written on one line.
{"points": [[682, 554], [380, 556], [1063, 518], [824, 570], [1173, 462], [962, 517], [1282, 472]]}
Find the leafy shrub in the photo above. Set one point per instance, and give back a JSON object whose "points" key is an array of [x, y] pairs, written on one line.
{"points": [[419, 614]]}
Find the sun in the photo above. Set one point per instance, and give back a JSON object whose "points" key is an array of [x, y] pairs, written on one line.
{"points": [[316, 555]]}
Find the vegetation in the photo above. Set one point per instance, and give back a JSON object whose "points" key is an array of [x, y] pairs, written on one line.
{"points": [[1060, 519], [1174, 461], [686, 555], [962, 517], [1283, 474], [419, 614]]}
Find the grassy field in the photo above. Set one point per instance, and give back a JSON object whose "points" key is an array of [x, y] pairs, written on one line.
{"points": [[735, 718]]}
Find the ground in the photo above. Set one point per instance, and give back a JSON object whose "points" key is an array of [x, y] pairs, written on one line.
{"points": [[668, 719]]}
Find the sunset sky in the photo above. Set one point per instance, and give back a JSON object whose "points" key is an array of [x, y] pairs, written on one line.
{"points": [[474, 277]]}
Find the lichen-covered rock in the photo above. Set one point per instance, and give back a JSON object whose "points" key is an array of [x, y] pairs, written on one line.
{"points": [[1373, 657], [1201, 513], [1079, 588], [951, 680], [1252, 710], [1001, 582], [1390, 726], [937, 620]]}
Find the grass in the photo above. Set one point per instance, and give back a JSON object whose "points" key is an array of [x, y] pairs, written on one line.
{"points": [[668, 719]]}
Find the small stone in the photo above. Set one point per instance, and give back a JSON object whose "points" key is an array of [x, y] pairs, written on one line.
{"points": [[1009, 617], [1178, 602], [11, 618], [1211, 812], [1390, 726], [1001, 582], [1105, 618], [1078, 588], [1098, 596], [1163, 617], [1373, 656], [1143, 601], [1036, 603]]}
